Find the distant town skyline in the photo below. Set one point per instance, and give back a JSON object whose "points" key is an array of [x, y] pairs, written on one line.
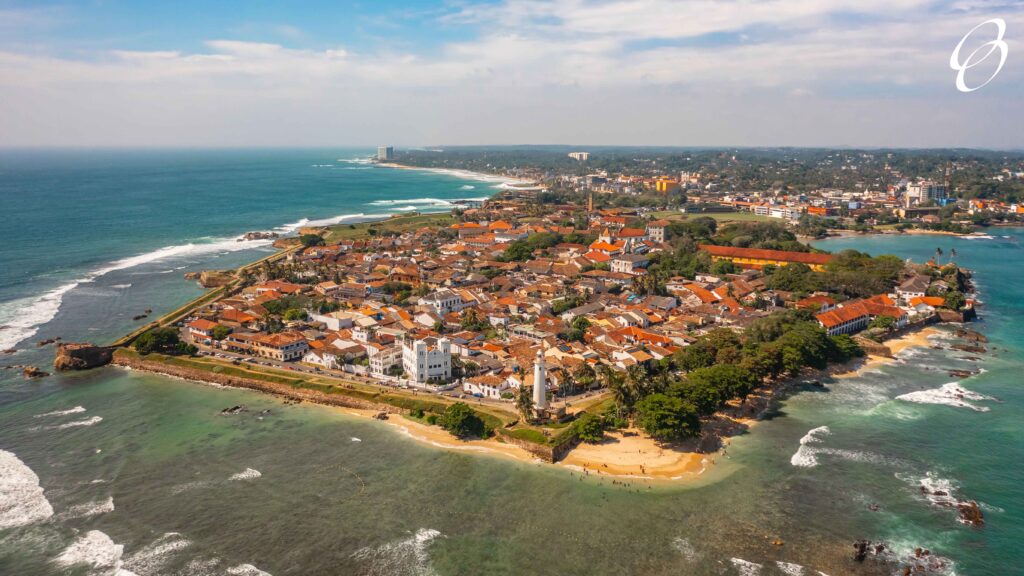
{"points": [[870, 73]]}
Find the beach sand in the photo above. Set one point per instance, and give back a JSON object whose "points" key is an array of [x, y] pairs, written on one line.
{"points": [[917, 338], [630, 453]]}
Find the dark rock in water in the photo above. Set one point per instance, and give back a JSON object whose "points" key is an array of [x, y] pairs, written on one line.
{"points": [[265, 412], [860, 548], [233, 410], [969, 348], [971, 335], [81, 356], [33, 372], [381, 416], [970, 513], [10, 351], [42, 343], [148, 311], [962, 373], [139, 316], [874, 507], [879, 548]]}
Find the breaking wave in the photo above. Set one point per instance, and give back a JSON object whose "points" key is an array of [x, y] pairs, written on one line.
{"points": [[152, 558], [790, 568], [89, 509], [805, 454], [247, 474], [746, 567], [95, 549], [21, 497], [950, 394], [246, 570], [406, 557]]}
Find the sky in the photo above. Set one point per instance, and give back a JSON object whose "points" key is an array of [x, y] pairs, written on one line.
{"points": [[137, 73]]}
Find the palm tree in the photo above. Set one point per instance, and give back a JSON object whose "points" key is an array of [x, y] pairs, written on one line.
{"points": [[620, 394], [952, 254], [938, 255], [637, 381], [585, 375], [568, 384], [524, 402]]}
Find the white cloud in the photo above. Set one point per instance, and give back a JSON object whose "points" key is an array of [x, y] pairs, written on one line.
{"points": [[538, 72]]}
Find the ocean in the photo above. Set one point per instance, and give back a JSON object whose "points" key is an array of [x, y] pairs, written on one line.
{"points": [[115, 472]]}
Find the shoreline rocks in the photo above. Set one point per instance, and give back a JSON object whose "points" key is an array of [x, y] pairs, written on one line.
{"points": [[970, 513], [258, 236], [81, 356]]}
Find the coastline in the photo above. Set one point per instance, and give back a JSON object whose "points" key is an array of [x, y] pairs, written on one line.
{"points": [[624, 454], [458, 173]]}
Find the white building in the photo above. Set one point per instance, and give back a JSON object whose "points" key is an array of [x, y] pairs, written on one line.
{"points": [[385, 153], [443, 301], [580, 156], [921, 192], [486, 386], [382, 357], [427, 359]]}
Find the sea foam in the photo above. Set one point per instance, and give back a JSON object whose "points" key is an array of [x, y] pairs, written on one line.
{"points": [[805, 454], [89, 509], [21, 497], [406, 556], [75, 410], [247, 474], [746, 567], [95, 549], [91, 421], [246, 570], [950, 394]]}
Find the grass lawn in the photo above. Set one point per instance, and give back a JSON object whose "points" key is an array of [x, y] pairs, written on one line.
{"points": [[398, 224], [720, 216], [326, 384]]}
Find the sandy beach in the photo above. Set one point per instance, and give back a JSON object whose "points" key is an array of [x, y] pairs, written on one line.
{"points": [[630, 453], [482, 176], [917, 338]]}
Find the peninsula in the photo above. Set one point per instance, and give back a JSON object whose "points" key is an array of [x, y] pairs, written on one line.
{"points": [[539, 321]]}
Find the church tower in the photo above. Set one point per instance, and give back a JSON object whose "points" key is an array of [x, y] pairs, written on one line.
{"points": [[540, 384]]}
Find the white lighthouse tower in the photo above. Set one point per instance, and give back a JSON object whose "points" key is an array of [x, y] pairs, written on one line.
{"points": [[540, 384]]}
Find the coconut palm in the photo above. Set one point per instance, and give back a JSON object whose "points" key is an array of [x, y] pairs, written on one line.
{"points": [[938, 255], [952, 254]]}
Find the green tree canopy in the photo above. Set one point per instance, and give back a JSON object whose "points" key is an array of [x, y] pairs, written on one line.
{"points": [[460, 420]]}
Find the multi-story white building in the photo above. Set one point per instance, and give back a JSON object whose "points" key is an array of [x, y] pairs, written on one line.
{"points": [[385, 153], [443, 301], [580, 156], [382, 357], [921, 192], [427, 359]]}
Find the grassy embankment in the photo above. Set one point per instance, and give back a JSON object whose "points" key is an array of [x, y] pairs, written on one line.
{"points": [[320, 383]]}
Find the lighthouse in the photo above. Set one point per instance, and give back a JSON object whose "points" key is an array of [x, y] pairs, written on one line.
{"points": [[540, 384]]}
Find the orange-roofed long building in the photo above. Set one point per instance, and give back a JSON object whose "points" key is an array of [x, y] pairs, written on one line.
{"points": [[759, 258]]}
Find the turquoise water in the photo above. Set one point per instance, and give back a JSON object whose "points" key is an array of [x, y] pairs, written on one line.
{"points": [[102, 227], [142, 472]]}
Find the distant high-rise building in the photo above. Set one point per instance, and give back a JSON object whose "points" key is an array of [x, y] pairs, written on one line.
{"points": [[921, 192], [580, 156], [385, 153]]}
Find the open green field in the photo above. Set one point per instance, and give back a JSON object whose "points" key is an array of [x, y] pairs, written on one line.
{"points": [[720, 216], [397, 224]]}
